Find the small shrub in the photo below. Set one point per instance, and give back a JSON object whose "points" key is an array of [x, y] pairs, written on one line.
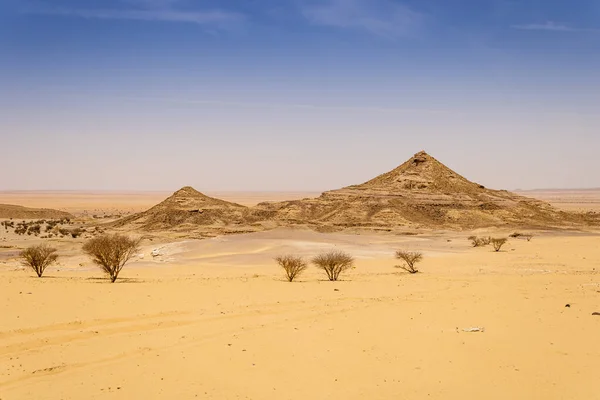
{"points": [[515, 235], [111, 252], [292, 265], [410, 258], [528, 237], [479, 242], [475, 241], [333, 263], [38, 258], [498, 243], [75, 233], [35, 229]]}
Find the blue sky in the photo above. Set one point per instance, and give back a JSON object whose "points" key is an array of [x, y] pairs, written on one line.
{"points": [[296, 94]]}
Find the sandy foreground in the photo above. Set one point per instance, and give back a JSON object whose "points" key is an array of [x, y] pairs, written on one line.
{"points": [[214, 319]]}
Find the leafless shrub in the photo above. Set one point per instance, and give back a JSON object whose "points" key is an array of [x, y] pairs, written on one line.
{"points": [[498, 243], [34, 229], [38, 258], [515, 235], [333, 263], [410, 258], [528, 237], [474, 241], [111, 252], [8, 224], [75, 233], [293, 266], [478, 242]]}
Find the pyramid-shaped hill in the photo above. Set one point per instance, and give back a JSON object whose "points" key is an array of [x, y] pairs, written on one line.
{"points": [[191, 212], [422, 173], [420, 193]]}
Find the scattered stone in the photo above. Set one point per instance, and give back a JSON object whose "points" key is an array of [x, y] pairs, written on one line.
{"points": [[474, 329]]}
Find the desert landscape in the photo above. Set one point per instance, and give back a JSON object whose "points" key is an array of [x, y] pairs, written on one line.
{"points": [[203, 310]]}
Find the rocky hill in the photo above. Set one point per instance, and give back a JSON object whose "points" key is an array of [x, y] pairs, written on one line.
{"points": [[421, 193], [187, 211]]}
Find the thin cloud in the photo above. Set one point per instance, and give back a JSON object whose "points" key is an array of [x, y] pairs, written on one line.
{"points": [[552, 27], [286, 106], [212, 17], [384, 18]]}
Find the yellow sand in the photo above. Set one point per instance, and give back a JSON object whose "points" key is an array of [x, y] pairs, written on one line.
{"points": [[214, 319]]}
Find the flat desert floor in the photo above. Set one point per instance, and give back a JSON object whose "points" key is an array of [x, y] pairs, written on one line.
{"points": [[214, 319]]}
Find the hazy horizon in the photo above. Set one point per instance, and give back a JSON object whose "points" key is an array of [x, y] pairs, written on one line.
{"points": [[296, 95]]}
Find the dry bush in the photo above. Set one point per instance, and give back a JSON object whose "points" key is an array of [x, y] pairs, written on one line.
{"points": [[478, 242], [333, 263], [35, 229], [75, 233], [38, 258], [410, 258], [498, 243], [528, 237], [515, 235], [293, 266], [111, 252], [475, 241]]}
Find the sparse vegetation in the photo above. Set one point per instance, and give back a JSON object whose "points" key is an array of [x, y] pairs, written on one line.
{"points": [[479, 242], [34, 229], [526, 236], [292, 265], [410, 259], [64, 231], [498, 243], [111, 252], [38, 258], [75, 233], [333, 263], [8, 224]]}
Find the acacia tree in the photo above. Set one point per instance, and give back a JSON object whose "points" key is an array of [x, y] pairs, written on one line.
{"points": [[410, 258], [293, 266], [111, 252], [38, 258], [333, 263], [498, 243]]}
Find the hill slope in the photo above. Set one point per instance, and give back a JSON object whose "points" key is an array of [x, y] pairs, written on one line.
{"points": [[420, 193], [20, 212], [188, 210]]}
